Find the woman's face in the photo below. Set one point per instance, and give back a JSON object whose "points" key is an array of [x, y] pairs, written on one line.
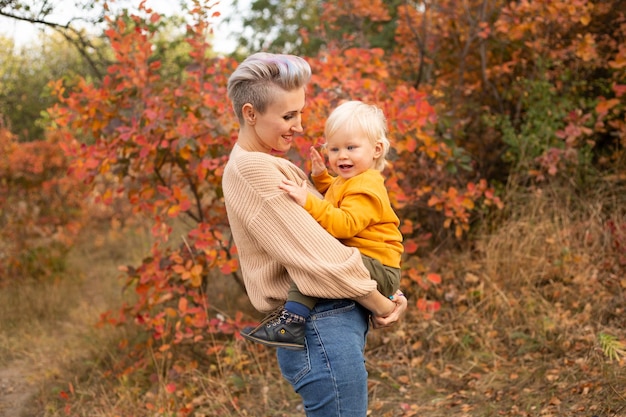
{"points": [[273, 131]]}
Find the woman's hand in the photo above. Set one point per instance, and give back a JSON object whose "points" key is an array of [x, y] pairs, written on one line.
{"points": [[401, 305]]}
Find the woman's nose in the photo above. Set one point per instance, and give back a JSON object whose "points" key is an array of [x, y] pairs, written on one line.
{"points": [[297, 127]]}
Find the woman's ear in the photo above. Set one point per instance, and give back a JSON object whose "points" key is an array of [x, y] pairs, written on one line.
{"points": [[249, 114]]}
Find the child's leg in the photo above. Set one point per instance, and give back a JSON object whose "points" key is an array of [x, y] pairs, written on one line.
{"points": [[387, 277], [284, 328], [299, 303]]}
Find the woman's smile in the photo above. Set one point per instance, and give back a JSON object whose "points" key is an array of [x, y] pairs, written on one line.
{"points": [[275, 129]]}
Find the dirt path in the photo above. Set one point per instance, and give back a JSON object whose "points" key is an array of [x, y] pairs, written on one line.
{"points": [[15, 389], [42, 350]]}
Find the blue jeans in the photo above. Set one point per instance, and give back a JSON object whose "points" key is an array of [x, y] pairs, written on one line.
{"points": [[329, 374]]}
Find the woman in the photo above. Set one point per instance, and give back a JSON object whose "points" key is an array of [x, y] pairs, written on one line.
{"points": [[278, 241]]}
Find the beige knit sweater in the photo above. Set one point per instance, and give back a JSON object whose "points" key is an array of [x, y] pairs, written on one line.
{"points": [[278, 241]]}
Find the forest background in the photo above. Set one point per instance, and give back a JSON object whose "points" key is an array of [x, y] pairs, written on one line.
{"points": [[120, 291]]}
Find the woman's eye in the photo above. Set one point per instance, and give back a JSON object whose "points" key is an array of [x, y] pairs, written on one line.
{"points": [[291, 116]]}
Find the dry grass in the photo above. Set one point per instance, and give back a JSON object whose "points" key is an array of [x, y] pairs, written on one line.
{"points": [[519, 333], [48, 334]]}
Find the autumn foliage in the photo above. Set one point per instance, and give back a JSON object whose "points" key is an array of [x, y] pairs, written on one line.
{"points": [[479, 98], [159, 144], [40, 209], [541, 82], [162, 143]]}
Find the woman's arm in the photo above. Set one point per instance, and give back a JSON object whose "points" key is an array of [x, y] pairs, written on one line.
{"points": [[401, 305], [377, 303], [385, 311]]}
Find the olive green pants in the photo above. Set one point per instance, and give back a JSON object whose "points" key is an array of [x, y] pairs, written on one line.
{"points": [[387, 278]]}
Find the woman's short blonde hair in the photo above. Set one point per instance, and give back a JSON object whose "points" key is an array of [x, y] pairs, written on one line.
{"points": [[256, 79]]}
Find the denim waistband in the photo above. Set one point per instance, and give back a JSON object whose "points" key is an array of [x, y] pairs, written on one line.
{"points": [[325, 307]]}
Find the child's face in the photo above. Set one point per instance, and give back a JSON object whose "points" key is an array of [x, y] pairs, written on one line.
{"points": [[351, 153]]}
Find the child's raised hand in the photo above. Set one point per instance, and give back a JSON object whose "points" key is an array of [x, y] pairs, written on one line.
{"points": [[318, 164], [297, 192]]}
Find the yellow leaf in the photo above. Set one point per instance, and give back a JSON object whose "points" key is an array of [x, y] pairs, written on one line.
{"points": [[468, 203], [196, 280], [173, 211], [196, 270], [585, 19], [185, 153], [586, 48]]}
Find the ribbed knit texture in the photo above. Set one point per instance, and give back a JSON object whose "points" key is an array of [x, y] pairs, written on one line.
{"points": [[278, 241]]}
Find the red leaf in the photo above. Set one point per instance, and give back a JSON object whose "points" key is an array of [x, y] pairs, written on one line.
{"points": [[410, 246], [434, 278]]}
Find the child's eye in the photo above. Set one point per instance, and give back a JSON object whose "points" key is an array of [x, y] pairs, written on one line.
{"points": [[351, 147]]}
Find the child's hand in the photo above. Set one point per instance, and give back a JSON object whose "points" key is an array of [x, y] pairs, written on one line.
{"points": [[297, 192], [318, 164]]}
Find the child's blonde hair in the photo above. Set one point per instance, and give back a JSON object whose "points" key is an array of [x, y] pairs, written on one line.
{"points": [[365, 117]]}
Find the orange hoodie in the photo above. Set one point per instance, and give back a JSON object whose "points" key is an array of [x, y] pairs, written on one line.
{"points": [[358, 212]]}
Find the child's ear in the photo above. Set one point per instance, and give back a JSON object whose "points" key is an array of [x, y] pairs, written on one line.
{"points": [[378, 150]]}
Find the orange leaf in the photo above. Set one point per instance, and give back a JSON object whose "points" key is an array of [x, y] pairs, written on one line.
{"points": [[604, 106], [434, 278], [229, 267], [196, 270], [182, 305], [406, 226]]}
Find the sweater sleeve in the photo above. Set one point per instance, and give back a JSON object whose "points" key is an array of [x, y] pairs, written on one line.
{"points": [[322, 181], [318, 263], [358, 210]]}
